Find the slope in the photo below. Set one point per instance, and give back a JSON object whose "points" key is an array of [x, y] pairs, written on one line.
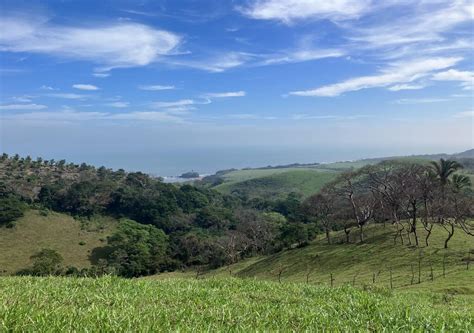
{"points": [[73, 239]]}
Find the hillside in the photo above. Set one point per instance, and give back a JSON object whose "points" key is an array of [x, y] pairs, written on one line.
{"points": [[356, 264], [74, 240], [378, 255], [305, 179], [110, 304], [275, 184]]}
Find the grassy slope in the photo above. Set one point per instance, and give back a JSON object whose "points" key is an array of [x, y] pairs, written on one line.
{"points": [[378, 255], [276, 183], [56, 231], [227, 305]]}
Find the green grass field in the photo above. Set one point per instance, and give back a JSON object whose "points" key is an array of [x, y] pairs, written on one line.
{"points": [[73, 239], [359, 264], [276, 183], [225, 305]]}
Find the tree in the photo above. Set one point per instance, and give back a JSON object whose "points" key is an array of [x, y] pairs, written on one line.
{"points": [[444, 169], [321, 206], [45, 262], [11, 209], [137, 249]]}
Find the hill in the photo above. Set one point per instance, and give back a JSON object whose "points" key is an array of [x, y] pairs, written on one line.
{"points": [[73, 239], [276, 184], [219, 305], [357, 263]]}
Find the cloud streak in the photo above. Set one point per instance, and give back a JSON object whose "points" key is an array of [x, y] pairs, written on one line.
{"points": [[88, 87], [23, 107], [397, 73], [110, 45]]}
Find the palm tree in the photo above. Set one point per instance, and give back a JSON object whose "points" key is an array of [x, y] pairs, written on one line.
{"points": [[445, 168], [460, 182]]}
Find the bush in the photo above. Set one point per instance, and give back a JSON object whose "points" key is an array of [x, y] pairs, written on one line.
{"points": [[45, 262], [11, 209]]}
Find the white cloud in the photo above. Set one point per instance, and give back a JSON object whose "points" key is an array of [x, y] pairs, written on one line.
{"points": [[397, 73], [226, 94], [23, 107], [399, 87], [23, 99], [465, 77], [77, 116], [85, 86], [420, 100], [118, 104], [43, 87], [288, 11], [156, 87], [110, 45], [68, 96], [101, 75], [218, 63], [302, 55], [465, 114], [164, 105]]}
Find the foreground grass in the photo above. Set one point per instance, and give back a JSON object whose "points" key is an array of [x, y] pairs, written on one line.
{"points": [[114, 304]]}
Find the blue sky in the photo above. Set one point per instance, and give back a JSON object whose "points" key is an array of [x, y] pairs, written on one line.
{"points": [[84, 79]]}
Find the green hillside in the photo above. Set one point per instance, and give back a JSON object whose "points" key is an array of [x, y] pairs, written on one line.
{"points": [[275, 183], [379, 255], [73, 239], [219, 305]]}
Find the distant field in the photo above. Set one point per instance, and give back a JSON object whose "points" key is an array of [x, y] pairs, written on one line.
{"points": [[276, 183], [71, 238], [225, 305]]}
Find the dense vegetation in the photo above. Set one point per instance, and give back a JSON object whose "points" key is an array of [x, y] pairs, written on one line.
{"points": [[114, 304], [164, 227]]}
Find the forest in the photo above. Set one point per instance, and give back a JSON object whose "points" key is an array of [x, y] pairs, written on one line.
{"points": [[167, 227]]}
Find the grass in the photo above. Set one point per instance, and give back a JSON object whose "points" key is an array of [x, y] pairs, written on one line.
{"points": [[73, 239], [225, 305], [356, 264], [276, 183]]}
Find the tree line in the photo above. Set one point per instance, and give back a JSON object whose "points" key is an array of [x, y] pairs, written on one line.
{"points": [[408, 195], [164, 227]]}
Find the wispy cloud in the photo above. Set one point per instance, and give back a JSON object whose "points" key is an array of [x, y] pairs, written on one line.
{"points": [[79, 116], [156, 87], [23, 107], [465, 77], [44, 87], [421, 100], [68, 96], [109, 44], [118, 104], [288, 11], [465, 114], [85, 86], [396, 73], [226, 94], [399, 87], [101, 75]]}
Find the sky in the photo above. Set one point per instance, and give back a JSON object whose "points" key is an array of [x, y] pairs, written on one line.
{"points": [[169, 86]]}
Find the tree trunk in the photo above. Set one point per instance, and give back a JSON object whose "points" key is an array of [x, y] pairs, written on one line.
{"points": [[413, 224], [327, 235], [347, 232], [450, 234], [361, 236]]}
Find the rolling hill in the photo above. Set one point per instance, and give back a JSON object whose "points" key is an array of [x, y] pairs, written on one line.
{"points": [[73, 239], [360, 264], [305, 179]]}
